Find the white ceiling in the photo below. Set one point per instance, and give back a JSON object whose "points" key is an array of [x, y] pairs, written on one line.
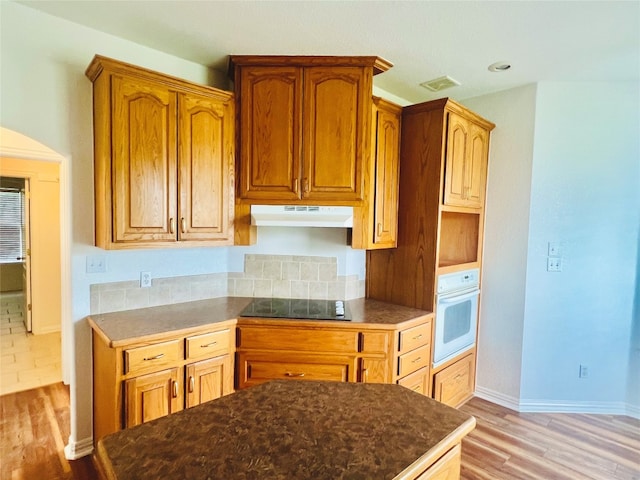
{"points": [[543, 40]]}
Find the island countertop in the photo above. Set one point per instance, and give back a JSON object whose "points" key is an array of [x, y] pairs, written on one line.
{"points": [[301, 430], [152, 323]]}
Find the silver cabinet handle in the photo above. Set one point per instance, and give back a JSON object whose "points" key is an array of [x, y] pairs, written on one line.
{"points": [[160, 355]]}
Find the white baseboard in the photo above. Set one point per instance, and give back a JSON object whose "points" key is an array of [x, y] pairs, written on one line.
{"points": [[633, 410], [557, 406], [498, 398], [75, 450], [560, 406]]}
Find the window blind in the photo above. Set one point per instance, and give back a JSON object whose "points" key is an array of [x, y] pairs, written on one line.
{"points": [[11, 214]]}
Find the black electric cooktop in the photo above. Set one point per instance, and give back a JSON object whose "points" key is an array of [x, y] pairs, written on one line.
{"points": [[297, 308]]}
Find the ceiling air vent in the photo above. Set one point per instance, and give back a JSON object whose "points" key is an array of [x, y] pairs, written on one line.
{"points": [[441, 83]]}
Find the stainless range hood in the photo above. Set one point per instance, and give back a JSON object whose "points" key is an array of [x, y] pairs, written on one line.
{"points": [[301, 216]]}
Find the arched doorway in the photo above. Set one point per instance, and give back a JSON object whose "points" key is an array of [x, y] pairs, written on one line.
{"points": [[45, 172]]}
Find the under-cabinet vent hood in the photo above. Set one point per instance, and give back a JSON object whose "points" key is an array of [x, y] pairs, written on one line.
{"points": [[301, 216]]}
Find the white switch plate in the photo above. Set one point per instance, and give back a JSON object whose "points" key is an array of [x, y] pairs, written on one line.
{"points": [[554, 264], [555, 249], [96, 264]]}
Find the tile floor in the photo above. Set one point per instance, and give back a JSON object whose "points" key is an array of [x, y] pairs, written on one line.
{"points": [[26, 361]]}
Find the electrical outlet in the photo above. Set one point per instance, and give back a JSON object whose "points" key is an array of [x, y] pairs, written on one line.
{"points": [[584, 371], [554, 264], [145, 279], [96, 264]]}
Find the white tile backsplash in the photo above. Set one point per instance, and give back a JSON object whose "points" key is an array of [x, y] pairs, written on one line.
{"points": [[286, 276]]}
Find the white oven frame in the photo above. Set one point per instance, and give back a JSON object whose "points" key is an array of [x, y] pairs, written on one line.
{"points": [[444, 352]]}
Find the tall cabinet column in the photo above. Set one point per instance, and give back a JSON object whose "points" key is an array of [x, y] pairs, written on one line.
{"points": [[443, 165]]}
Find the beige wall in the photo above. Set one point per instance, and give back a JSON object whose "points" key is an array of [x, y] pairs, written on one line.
{"points": [[10, 277], [45, 238]]}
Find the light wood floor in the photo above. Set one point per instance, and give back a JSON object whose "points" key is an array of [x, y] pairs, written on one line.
{"points": [[504, 446], [511, 446]]}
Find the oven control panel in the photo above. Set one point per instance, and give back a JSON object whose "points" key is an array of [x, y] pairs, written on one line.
{"points": [[452, 282]]}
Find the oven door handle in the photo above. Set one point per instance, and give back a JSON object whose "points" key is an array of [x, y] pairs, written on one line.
{"points": [[457, 298]]}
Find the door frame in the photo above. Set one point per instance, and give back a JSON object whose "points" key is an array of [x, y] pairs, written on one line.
{"points": [[18, 146]]}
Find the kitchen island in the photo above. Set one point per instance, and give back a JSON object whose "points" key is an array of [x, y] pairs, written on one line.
{"points": [[295, 430]]}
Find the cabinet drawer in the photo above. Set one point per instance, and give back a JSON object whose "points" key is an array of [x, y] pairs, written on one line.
{"points": [[258, 368], [152, 357], [208, 344], [454, 384], [418, 381], [375, 342], [309, 340], [414, 360], [414, 337]]}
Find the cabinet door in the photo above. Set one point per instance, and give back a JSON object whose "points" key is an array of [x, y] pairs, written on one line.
{"points": [[336, 122], [386, 178], [270, 132], [455, 384], [144, 161], [152, 396], [455, 176], [208, 380], [205, 162], [374, 370], [476, 166], [255, 368]]}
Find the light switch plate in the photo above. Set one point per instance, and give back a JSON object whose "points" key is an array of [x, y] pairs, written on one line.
{"points": [[555, 249], [96, 264]]}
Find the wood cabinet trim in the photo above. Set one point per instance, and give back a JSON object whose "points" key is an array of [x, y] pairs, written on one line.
{"points": [[101, 64], [378, 64]]}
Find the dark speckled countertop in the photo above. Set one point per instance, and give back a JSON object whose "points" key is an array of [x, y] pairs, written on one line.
{"points": [[281, 430], [148, 324]]}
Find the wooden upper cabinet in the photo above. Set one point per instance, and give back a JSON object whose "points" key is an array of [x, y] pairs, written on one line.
{"points": [[336, 121], [270, 137], [164, 159], [304, 128], [376, 223], [205, 168], [465, 162], [144, 161]]}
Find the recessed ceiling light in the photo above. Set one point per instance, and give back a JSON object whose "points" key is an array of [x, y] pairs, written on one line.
{"points": [[440, 83], [499, 67]]}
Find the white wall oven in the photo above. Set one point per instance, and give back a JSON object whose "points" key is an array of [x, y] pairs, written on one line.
{"points": [[456, 314]]}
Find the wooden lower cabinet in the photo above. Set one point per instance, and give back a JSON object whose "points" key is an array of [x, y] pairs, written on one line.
{"points": [[152, 396], [270, 350], [138, 381], [455, 384], [446, 468], [255, 368], [207, 380]]}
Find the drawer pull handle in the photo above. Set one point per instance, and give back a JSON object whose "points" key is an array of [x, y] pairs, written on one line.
{"points": [[175, 389], [172, 226], [208, 345], [460, 375], [192, 383], [290, 374], [365, 375], [418, 337], [417, 388], [160, 355], [416, 360], [183, 225]]}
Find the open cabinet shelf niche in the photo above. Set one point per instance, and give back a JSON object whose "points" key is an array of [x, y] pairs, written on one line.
{"points": [[459, 238]]}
